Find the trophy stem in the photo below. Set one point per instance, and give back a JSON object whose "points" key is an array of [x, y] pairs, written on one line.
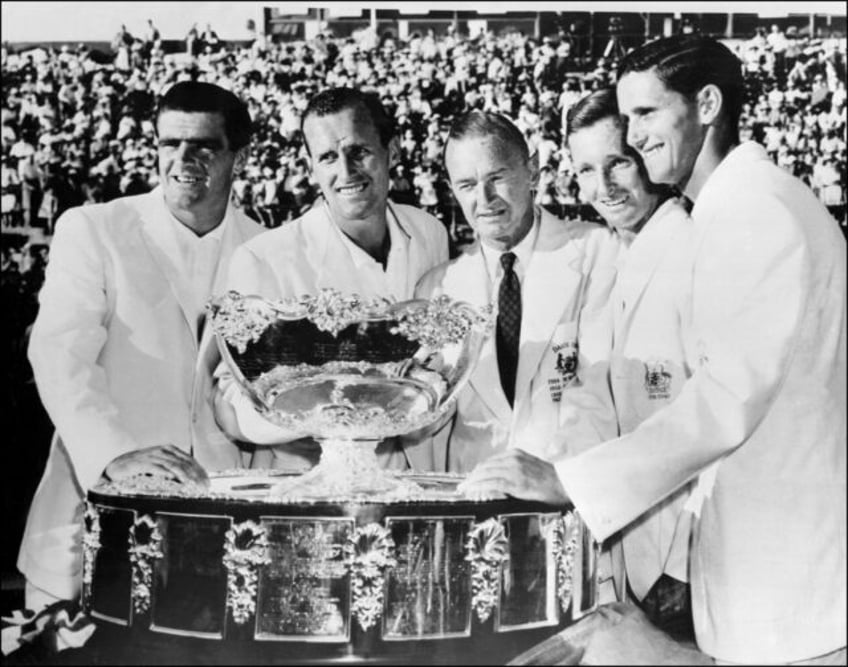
{"points": [[346, 468]]}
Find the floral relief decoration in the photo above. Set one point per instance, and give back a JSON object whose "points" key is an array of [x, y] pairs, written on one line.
{"points": [[487, 548], [245, 550], [369, 551], [90, 547], [565, 534], [145, 547]]}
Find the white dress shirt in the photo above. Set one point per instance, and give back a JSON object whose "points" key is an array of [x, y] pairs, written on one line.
{"points": [[199, 255]]}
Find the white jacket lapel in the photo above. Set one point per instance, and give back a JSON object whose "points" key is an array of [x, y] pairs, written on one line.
{"points": [[646, 253], [468, 280], [552, 284], [405, 258], [333, 258], [235, 233], [162, 243]]}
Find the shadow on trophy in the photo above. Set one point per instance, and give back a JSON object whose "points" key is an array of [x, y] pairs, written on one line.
{"points": [[349, 372]]}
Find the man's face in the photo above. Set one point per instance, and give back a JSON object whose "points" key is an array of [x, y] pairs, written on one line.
{"points": [[349, 163], [196, 162], [611, 179], [662, 125], [493, 185]]}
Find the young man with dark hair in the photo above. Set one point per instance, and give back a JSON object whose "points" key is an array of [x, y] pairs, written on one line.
{"points": [[115, 346]]}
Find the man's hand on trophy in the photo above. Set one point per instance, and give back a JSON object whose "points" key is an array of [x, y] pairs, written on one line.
{"points": [[161, 461], [518, 474]]}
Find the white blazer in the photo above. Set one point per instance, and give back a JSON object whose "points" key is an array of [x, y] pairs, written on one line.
{"points": [[767, 401], [648, 367], [565, 291], [114, 351], [310, 254]]}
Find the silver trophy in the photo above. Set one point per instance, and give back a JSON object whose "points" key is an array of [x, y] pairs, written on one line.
{"points": [[349, 373]]}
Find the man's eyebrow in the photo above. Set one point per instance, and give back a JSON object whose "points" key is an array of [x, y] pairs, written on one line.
{"points": [[495, 172], [645, 108], [192, 140]]}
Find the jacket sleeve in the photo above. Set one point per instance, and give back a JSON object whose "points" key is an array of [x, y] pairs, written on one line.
{"points": [[67, 338], [752, 282]]}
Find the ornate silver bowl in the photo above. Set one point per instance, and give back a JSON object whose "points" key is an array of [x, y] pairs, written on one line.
{"points": [[349, 372]]}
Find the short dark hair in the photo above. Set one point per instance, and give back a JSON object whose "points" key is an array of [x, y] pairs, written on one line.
{"points": [[477, 123], [199, 96], [596, 106], [333, 100], [686, 63]]}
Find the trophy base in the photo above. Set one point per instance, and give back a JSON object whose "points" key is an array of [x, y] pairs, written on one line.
{"points": [[346, 468]]}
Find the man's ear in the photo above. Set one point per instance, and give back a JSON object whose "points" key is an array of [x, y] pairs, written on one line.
{"points": [[394, 151], [533, 166], [710, 101], [241, 159], [310, 172]]}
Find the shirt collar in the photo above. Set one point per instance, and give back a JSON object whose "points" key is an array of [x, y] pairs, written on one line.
{"points": [[361, 258], [523, 252], [186, 238]]}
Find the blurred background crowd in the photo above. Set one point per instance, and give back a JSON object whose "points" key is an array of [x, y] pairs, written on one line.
{"points": [[78, 128]]}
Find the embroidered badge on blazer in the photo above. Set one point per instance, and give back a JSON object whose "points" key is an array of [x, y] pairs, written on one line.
{"points": [[565, 368], [657, 380]]}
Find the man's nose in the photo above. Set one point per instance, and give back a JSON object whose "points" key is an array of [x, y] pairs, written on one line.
{"points": [[485, 192], [635, 134], [605, 183], [186, 150], [346, 166]]}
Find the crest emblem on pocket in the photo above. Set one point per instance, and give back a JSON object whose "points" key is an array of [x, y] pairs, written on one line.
{"points": [[566, 364], [657, 381], [565, 368]]}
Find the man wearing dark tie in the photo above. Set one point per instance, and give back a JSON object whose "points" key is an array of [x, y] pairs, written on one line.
{"points": [[534, 386], [540, 382]]}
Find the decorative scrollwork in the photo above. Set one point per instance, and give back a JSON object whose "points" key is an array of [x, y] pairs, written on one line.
{"points": [[565, 534], [145, 547], [487, 548], [240, 321], [442, 322], [90, 547], [332, 311], [368, 553], [245, 548]]}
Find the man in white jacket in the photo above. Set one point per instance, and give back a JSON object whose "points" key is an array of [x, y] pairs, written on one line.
{"points": [[540, 381], [649, 308], [762, 420], [353, 240], [114, 348]]}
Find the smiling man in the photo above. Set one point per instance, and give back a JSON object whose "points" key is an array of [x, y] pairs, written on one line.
{"points": [[115, 346], [353, 240]]}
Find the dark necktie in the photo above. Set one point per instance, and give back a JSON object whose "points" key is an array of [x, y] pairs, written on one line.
{"points": [[508, 326]]}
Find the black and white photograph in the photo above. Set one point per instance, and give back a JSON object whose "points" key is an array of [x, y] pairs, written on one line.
{"points": [[424, 333]]}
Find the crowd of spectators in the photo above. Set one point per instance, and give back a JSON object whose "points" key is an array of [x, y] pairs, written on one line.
{"points": [[76, 129]]}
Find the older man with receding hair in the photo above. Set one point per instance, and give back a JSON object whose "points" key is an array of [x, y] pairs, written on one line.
{"points": [[539, 385]]}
